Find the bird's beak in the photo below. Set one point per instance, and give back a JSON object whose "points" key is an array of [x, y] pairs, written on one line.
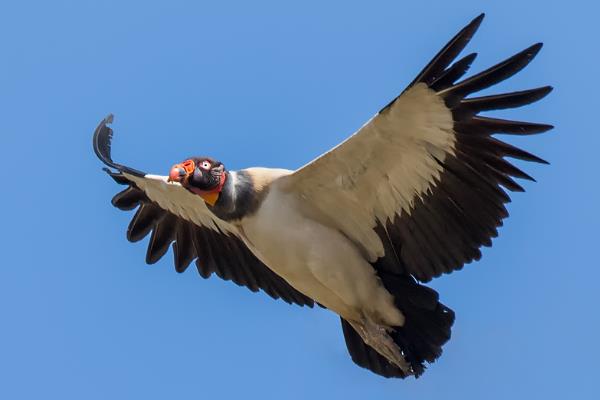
{"points": [[180, 171], [177, 174]]}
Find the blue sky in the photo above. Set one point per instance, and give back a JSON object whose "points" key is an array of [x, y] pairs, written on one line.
{"points": [[273, 84]]}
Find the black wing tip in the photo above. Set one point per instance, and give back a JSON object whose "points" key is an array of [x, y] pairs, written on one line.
{"points": [[538, 93], [102, 141], [533, 128], [469, 58], [528, 54], [477, 20], [449, 52], [465, 62], [533, 50], [472, 26], [537, 46], [544, 91], [469, 31]]}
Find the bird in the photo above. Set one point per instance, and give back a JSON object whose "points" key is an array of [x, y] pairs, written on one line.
{"points": [[413, 194]]}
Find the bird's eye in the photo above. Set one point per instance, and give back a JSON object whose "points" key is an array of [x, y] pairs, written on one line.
{"points": [[205, 165]]}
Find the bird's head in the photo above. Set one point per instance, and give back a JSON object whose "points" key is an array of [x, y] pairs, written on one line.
{"points": [[200, 175]]}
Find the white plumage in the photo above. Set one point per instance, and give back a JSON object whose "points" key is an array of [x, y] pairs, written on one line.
{"points": [[380, 170], [316, 259]]}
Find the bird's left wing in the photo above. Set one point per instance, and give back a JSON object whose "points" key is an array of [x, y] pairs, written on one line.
{"points": [[424, 178], [175, 216]]}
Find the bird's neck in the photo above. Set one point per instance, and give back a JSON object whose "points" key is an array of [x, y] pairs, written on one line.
{"points": [[238, 197]]}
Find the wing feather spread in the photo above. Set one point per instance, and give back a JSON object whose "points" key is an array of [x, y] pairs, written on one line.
{"points": [[425, 177], [175, 218]]}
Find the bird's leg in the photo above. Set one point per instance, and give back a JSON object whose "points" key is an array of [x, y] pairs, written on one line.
{"points": [[378, 338]]}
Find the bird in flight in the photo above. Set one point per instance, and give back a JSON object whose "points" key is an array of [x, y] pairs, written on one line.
{"points": [[413, 194]]}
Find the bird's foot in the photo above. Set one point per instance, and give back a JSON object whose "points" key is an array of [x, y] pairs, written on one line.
{"points": [[378, 337]]}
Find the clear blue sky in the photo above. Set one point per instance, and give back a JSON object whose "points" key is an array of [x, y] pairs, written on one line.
{"points": [[263, 83]]}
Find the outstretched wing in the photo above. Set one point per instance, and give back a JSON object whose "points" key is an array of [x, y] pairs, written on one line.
{"points": [[424, 178], [172, 215]]}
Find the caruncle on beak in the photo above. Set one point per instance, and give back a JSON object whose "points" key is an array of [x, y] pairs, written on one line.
{"points": [[180, 171], [177, 174]]}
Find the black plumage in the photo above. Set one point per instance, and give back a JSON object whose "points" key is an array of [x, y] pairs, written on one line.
{"points": [[184, 251], [505, 100], [453, 73], [214, 251], [162, 236], [488, 126], [421, 338], [464, 207], [437, 66], [493, 75]]}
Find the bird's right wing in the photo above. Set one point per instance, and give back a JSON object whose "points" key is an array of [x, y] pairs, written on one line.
{"points": [[175, 216], [422, 183]]}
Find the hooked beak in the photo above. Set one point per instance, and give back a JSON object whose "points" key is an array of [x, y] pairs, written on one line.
{"points": [[177, 174]]}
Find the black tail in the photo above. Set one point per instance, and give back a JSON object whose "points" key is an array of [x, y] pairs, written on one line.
{"points": [[426, 329]]}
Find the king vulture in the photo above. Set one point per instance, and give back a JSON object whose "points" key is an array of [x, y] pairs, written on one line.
{"points": [[413, 194]]}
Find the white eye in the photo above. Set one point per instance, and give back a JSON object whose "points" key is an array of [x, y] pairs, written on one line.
{"points": [[205, 165]]}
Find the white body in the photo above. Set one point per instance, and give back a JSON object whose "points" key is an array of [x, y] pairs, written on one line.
{"points": [[317, 260]]}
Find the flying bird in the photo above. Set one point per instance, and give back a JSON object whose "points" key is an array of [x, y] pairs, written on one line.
{"points": [[413, 194]]}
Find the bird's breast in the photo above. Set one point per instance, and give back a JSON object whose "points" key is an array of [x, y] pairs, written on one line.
{"points": [[279, 234], [315, 259]]}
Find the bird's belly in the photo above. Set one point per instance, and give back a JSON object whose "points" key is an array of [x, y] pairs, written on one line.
{"points": [[317, 260]]}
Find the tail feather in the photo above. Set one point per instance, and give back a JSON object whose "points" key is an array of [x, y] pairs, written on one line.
{"points": [[426, 329], [428, 322]]}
